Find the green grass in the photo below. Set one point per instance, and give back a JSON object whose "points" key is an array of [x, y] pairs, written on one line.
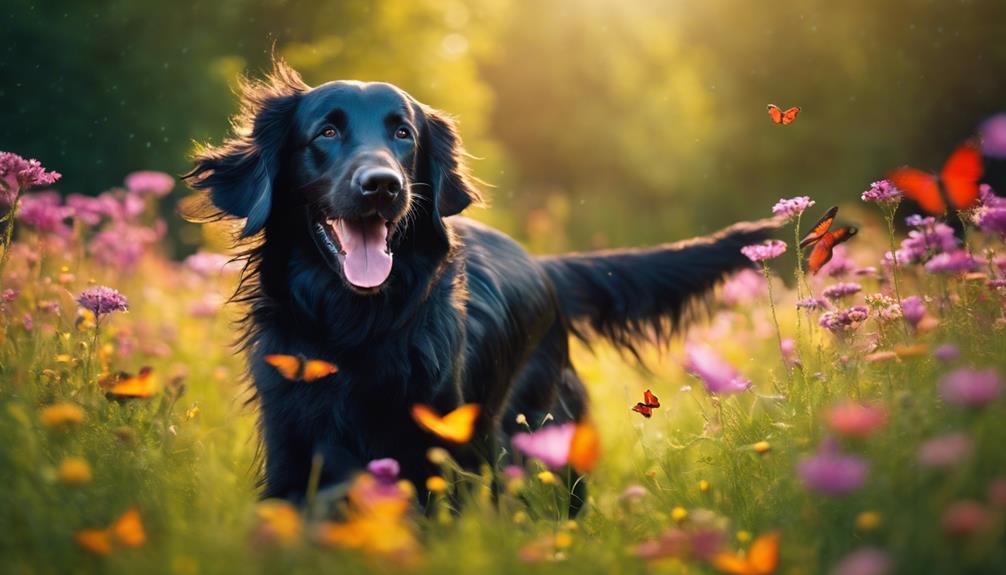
{"points": [[192, 473]]}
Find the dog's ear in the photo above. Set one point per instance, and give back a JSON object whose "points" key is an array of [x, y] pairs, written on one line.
{"points": [[238, 176], [454, 188]]}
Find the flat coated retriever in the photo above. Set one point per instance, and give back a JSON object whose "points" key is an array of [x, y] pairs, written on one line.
{"points": [[349, 193]]}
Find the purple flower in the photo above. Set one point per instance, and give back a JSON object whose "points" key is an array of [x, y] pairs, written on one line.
{"points": [[841, 290], [955, 262], [19, 173], [207, 306], [810, 303], [208, 264], [150, 183], [788, 350], [91, 210], [514, 472], [882, 192], [947, 353], [634, 492], [945, 451], [971, 387], [993, 135], [792, 207], [927, 239], [840, 263], [384, 470], [550, 444], [45, 212], [743, 287], [764, 251], [845, 320], [990, 216], [122, 245], [831, 473], [864, 561], [102, 300], [718, 376], [913, 310]]}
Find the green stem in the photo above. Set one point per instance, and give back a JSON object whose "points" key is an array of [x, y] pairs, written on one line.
{"points": [[8, 233], [775, 319], [889, 218]]}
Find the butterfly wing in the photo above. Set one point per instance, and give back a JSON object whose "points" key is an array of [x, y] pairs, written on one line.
{"points": [[960, 176], [775, 113], [921, 187], [287, 365], [821, 254], [456, 427], [128, 529], [763, 557], [732, 563], [643, 409], [96, 541], [820, 228], [650, 400], [789, 116], [823, 249], [141, 385], [585, 447], [316, 369]]}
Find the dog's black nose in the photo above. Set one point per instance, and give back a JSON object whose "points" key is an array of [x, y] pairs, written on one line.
{"points": [[380, 182]]}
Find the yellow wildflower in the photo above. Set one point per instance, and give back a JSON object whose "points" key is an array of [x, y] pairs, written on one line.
{"points": [[60, 414], [436, 484], [74, 471]]}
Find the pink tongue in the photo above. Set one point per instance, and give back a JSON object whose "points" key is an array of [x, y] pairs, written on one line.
{"points": [[367, 263]]}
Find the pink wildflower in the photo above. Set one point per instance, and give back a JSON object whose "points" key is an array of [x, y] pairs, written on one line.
{"points": [[971, 387], [832, 473], [150, 183], [764, 251], [102, 300], [792, 207], [882, 192], [718, 376]]}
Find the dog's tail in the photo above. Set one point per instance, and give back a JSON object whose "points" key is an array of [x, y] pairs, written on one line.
{"points": [[636, 294]]}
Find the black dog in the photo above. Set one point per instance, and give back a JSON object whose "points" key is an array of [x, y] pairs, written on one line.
{"points": [[347, 191]]}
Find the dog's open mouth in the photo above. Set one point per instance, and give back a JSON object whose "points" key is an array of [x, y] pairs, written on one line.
{"points": [[360, 246]]}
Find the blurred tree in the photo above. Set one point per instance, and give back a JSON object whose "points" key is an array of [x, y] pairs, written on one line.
{"points": [[650, 115], [599, 121]]}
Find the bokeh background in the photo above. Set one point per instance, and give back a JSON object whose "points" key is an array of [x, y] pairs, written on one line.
{"points": [[598, 122]]}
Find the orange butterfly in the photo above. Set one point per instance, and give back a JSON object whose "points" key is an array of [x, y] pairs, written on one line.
{"points": [[127, 531], [584, 447], [779, 116], [646, 407], [456, 427], [299, 368], [122, 386], [824, 240], [959, 179], [761, 559]]}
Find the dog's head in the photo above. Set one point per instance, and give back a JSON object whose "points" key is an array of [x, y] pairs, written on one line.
{"points": [[354, 162]]}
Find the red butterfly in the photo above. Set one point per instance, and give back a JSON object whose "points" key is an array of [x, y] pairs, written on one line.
{"points": [[649, 403], [824, 240], [959, 179], [783, 117]]}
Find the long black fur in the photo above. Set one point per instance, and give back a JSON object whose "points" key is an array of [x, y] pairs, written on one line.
{"points": [[467, 316]]}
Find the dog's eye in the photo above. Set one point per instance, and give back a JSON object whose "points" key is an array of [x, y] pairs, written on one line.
{"points": [[403, 133], [329, 132]]}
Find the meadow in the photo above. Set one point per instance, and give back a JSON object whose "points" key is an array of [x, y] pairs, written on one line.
{"points": [[846, 422]]}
